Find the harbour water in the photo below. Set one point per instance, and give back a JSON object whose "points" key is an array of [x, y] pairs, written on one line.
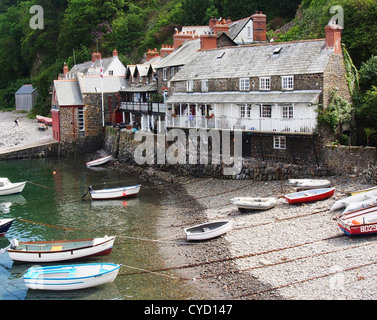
{"points": [[51, 208]]}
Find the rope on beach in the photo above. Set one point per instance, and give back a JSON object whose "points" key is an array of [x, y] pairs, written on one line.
{"points": [[152, 272]]}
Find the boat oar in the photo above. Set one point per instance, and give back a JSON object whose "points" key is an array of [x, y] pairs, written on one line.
{"points": [[2, 251], [89, 189]]}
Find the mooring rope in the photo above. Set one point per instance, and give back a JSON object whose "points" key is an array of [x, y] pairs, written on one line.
{"points": [[40, 185]]}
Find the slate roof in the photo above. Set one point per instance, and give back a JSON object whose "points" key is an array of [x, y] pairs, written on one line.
{"points": [[296, 57], [84, 67], [26, 89], [68, 93], [93, 84], [182, 55]]}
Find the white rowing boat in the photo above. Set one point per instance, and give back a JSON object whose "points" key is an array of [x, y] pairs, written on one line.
{"points": [[54, 251], [9, 188], [115, 193], [249, 203], [99, 162], [208, 230], [305, 184], [70, 277]]}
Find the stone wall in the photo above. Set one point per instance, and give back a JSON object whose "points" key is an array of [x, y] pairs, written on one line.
{"points": [[349, 160], [42, 151], [122, 145]]}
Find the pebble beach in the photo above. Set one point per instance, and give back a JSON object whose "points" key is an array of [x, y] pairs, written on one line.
{"points": [[290, 252], [24, 134]]}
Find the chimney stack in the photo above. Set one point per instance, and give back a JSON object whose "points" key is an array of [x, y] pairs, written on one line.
{"points": [[115, 53], [220, 26], [166, 50], [334, 38], [259, 26], [96, 56], [65, 69], [208, 41], [152, 54], [180, 37]]}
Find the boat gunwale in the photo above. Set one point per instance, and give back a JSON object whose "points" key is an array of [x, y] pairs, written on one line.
{"points": [[99, 274], [60, 251]]}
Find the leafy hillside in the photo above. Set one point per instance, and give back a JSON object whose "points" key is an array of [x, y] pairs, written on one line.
{"points": [[75, 28]]}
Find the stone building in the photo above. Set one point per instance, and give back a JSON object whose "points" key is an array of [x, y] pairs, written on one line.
{"points": [[268, 92], [86, 98]]}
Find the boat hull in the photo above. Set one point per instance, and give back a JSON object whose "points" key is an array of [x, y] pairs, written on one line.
{"points": [[208, 231], [254, 203], [5, 226], [13, 188], [71, 277], [309, 195], [359, 222], [116, 193], [100, 247], [98, 162]]}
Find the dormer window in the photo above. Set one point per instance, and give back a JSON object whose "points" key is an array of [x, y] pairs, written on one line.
{"points": [[244, 84], [264, 83], [287, 83], [190, 86]]}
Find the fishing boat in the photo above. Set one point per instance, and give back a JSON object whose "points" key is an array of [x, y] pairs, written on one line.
{"points": [[9, 188], [360, 205], [307, 184], [359, 222], [115, 193], [208, 230], [53, 251], [70, 277], [5, 224], [99, 162], [309, 195], [249, 203]]}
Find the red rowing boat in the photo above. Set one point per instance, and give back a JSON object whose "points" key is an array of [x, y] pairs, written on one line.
{"points": [[358, 222], [309, 195]]}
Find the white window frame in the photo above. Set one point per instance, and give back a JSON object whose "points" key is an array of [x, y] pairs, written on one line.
{"points": [[287, 111], [244, 84], [165, 74], [204, 85], [264, 83], [172, 71], [190, 86], [81, 119], [245, 111], [266, 111], [287, 83], [280, 142]]}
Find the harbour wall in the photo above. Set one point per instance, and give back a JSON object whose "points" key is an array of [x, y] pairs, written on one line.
{"points": [[334, 160]]}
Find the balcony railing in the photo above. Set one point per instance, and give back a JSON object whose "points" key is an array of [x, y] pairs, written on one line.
{"points": [[278, 125], [144, 107]]}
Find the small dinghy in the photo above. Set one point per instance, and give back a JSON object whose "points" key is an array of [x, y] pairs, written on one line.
{"points": [[208, 230], [115, 193], [344, 202], [248, 203], [359, 222], [360, 205], [5, 224], [8, 188], [70, 277], [309, 195], [54, 251], [99, 162], [305, 184]]}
